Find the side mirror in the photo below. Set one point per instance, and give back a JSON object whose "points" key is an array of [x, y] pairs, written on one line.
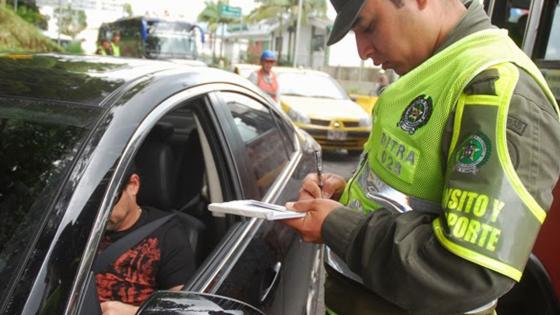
{"points": [[186, 303]]}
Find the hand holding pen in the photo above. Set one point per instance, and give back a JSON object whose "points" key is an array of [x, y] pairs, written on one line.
{"points": [[321, 185]]}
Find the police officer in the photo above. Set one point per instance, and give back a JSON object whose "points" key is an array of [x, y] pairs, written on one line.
{"points": [[104, 48], [115, 44], [456, 178], [265, 78]]}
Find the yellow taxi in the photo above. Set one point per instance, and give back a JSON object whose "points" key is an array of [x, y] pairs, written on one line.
{"points": [[365, 101], [317, 104]]}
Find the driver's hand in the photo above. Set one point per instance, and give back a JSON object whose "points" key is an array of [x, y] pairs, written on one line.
{"points": [[117, 308]]}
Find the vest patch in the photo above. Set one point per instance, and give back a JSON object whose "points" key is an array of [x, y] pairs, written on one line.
{"points": [[398, 157], [472, 217], [416, 114], [516, 124], [473, 153]]}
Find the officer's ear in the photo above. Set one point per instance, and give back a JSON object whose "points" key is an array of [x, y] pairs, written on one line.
{"points": [[422, 4]]}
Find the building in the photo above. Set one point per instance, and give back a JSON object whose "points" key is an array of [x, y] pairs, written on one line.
{"points": [[244, 43], [97, 12]]}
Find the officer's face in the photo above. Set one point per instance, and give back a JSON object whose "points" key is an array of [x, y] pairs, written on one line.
{"points": [[396, 34]]}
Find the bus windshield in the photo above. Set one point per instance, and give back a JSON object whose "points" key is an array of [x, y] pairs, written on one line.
{"points": [[168, 39], [154, 38]]}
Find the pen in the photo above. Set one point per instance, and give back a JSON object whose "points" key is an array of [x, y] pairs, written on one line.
{"points": [[319, 169]]}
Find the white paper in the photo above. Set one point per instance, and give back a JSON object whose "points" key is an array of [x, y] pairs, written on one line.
{"points": [[255, 209]]}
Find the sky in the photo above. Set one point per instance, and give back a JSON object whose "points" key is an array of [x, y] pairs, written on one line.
{"points": [[189, 9], [343, 53]]}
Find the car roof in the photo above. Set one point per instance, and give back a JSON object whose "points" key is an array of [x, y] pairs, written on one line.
{"points": [[90, 80]]}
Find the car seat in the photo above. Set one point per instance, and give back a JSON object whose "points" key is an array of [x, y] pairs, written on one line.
{"points": [[156, 164], [190, 182]]}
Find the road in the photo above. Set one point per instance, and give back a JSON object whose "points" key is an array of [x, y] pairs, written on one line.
{"points": [[340, 163]]}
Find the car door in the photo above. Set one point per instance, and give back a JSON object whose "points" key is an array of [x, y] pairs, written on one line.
{"points": [[275, 270]]}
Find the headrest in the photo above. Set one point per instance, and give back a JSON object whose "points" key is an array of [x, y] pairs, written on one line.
{"points": [[155, 162]]}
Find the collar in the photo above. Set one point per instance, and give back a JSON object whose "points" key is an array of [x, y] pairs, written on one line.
{"points": [[473, 21]]}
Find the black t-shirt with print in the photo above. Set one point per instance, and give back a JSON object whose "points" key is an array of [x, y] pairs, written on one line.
{"points": [[162, 260]]}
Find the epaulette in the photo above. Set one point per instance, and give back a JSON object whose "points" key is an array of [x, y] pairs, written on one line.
{"points": [[483, 83]]}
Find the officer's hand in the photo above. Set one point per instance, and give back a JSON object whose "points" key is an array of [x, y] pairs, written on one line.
{"points": [[333, 186], [309, 227], [117, 308]]}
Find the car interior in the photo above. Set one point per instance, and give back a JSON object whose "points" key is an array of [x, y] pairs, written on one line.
{"points": [[174, 177]]}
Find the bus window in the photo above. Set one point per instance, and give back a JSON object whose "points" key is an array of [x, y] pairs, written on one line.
{"points": [[155, 38]]}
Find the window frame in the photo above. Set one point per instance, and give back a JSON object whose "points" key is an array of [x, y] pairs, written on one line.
{"points": [[241, 154]]}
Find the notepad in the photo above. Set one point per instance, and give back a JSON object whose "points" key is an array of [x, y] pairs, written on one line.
{"points": [[255, 209]]}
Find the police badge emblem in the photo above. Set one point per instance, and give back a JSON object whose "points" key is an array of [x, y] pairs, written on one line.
{"points": [[416, 114], [473, 153]]}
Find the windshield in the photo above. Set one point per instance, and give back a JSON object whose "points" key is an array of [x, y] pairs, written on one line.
{"points": [[171, 45], [309, 85], [38, 142], [170, 39]]}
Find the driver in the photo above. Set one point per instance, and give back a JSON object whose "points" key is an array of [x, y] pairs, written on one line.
{"points": [[161, 261]]}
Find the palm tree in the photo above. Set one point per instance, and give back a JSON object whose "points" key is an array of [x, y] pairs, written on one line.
{"points": [[211, 15], [279, 8]]}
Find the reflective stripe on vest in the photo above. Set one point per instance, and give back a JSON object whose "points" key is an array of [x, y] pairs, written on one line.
{"points": [[404, 154], [116, 49]]}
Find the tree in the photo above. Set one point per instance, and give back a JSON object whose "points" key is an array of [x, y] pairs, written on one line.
{"points": [[211, 15], [279, 8], [29, 12], [70, 22], [19, 35], [127, 9]]}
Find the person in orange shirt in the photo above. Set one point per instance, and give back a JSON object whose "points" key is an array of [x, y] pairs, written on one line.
{"points": [[265, 78]]}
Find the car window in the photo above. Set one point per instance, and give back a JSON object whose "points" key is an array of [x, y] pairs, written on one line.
{"points": [[263, 139], [38, 142], [511, 15], [517, 21], [553, 46], [287, 132], [309, 85]]}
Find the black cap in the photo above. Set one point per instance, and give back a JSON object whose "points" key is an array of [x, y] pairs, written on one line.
{"points": [[346, 13]]}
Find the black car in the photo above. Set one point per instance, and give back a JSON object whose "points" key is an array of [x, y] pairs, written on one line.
{"points": [[69, 128]]}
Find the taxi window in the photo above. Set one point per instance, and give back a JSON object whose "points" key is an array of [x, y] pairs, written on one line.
{"points": [[263, 139]]}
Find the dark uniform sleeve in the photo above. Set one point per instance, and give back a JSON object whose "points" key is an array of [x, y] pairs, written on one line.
{"points": [[398, 255], [177, 259]]}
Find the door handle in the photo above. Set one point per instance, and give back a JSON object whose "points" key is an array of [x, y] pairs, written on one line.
{"points": [[276, 271]]}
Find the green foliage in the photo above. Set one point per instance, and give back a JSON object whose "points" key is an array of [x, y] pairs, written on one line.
{"points": [[30, 13], [18, 35], [127, 9], [74, 47], [71, 22], [273, 8], [211, 15]]}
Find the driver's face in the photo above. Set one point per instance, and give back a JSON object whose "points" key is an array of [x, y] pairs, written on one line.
{"points": [[125, 211]]}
